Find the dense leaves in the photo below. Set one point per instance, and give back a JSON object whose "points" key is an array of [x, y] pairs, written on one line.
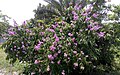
{"points": [[74, 44]]}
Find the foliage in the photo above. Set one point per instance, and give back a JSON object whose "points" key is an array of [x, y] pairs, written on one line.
{"points": [[4, 24], [6, 66], [78, 45], [55, 8]]}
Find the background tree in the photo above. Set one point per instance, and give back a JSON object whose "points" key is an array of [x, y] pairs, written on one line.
{"points": [[4, 24], [58, 8]]}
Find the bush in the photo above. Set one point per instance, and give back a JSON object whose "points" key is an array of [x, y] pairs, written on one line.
{"points": [[80, 45]]}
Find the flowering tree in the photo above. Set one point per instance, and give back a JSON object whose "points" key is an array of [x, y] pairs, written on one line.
{"points": [[82, 45]]}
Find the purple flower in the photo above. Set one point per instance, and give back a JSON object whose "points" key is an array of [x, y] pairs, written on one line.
{"points": [[75, 17], [84, 14], [63, 22], [54, 43], [87, 19], [101, 34], [73, 39], [52, 48], [57, 39], [95, 15], [40, 43], [60, 45], [15, 47], [69, 43], [75, 52], [51, 30], [36, 61], [60, 30], [58, 62], [42, 33], [95, 28], [55, 35], [70, 34], [95, 23], [75, 64], [50, 57], [54, 26], [75, 44], [59, 51], [27, 30], [89, 26], [77, 7], [65, 54], [74, 13], [55, 55], [63, 72], [11, 32], [23, 46], [24, 23], [37, 47]]}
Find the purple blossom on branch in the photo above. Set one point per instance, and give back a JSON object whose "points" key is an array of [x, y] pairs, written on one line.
{"points": [[54, 26], [57, 39], [87, 19], [63, 72], [42, 33], [95, 27], [75, 52], [84, 14], [77, 7], [51, 30], [37, 47], [74, 13], [65, 55], [58, 62], [55, 55], [36, 61], [11, 32], [52, 48], [75, 17], [75, 64], [50, 57], [101, 34], [70, 34], [95, 15]]}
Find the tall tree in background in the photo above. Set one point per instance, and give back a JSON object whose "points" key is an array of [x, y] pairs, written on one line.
{"points": [[4, 24], [54, 8], [58, 7]]}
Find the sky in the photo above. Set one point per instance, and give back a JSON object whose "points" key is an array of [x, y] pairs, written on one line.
{"points": [[21, 10]]}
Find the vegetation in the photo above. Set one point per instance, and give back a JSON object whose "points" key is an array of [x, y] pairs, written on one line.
{"points": [[4, 24], [6, 67], [73, 42]]}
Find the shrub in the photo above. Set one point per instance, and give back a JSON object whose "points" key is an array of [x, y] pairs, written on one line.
{"points": [[80, 45]]}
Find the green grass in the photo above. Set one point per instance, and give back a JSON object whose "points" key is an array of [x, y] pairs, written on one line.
{"points": [[6, 66]]}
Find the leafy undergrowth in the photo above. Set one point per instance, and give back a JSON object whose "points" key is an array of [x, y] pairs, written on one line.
{"points": [[6, 67]]}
